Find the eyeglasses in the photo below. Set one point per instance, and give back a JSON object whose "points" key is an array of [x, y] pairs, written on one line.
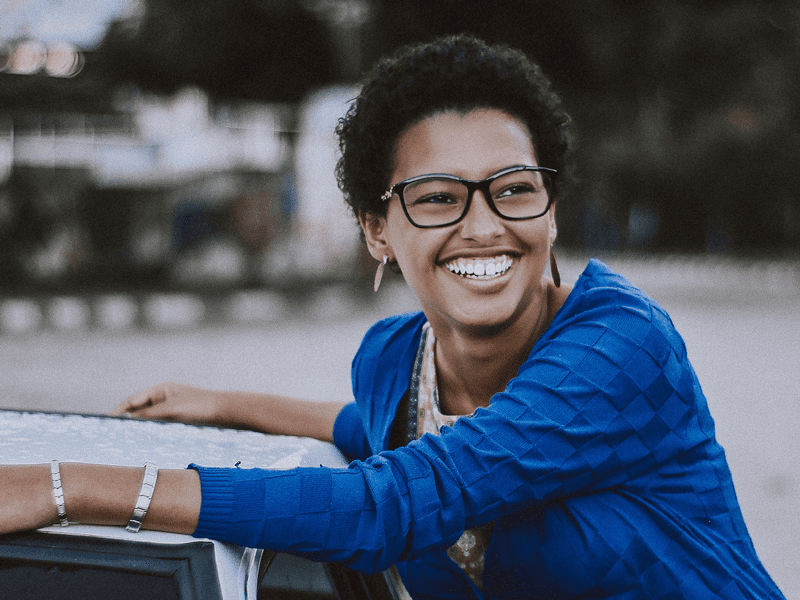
{"points": [[438, 200]]}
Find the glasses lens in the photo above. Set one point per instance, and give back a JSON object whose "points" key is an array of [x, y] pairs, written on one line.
{"points": [[435, 201], [521, 194]]}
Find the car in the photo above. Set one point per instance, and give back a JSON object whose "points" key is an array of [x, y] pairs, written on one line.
{"points": [[99, 562]]}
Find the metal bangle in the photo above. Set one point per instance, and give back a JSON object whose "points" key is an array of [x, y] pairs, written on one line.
{"points": [[58, 493], [144, 498]]}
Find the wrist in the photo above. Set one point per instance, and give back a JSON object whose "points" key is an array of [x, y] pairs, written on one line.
{"points": [[26, 498], [223, 408]]}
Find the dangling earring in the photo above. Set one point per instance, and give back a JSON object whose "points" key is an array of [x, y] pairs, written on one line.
{"points": [[379, 272], [554, 268]]}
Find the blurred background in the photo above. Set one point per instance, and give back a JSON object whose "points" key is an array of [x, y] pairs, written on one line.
{"points": [[168, 208], [162, 144]]}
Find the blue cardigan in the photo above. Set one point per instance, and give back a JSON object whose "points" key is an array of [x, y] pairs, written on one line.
{"points": [[598, 465]]}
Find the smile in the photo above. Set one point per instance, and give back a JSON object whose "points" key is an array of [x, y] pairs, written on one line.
{"points": [[480, 268]]}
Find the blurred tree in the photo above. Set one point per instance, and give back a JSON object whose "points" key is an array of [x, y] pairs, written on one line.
{"points": [[87, 93], [268, 50], [685, 108]]}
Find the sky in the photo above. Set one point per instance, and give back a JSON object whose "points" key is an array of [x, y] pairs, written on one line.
{"points": [[80, 22]]}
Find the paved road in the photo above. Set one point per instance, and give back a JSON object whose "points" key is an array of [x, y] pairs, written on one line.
{"points": [[743, 338]]}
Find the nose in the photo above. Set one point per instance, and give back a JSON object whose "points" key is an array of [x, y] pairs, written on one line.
{"points": [[481, 223]]}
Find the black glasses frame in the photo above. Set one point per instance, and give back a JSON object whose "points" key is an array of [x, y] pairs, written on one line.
{"points": [[471, 185]]}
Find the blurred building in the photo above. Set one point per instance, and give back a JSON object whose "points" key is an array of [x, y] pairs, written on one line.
{"points": [[192, 143], [145, 189], [175, 157]]}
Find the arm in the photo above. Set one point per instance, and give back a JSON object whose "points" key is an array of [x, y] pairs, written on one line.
{"points": [[96, 494], [571, 422], [396, 505], [268, 413]]}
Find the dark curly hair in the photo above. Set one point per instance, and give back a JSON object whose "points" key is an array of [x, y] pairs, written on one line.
{"points": [[459, 73]]}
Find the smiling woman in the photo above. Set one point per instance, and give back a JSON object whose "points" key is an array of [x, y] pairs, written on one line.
{"points": [[517, 438], [505, 292]]}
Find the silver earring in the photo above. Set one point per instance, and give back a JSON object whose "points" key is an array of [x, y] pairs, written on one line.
{"points": [[554, 268], [379, 272]]}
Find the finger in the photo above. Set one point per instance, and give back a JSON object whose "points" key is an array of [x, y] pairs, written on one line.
{"points": [[122, 408], [130, 405], [139, 402]]}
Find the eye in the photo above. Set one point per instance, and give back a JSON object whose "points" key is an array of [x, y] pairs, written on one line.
{"points": [[517, 185], [433, 198], [515, 189]]}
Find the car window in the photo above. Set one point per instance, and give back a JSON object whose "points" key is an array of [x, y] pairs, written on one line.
{"points": [[294, 578], [39, 566], [32, 580]]}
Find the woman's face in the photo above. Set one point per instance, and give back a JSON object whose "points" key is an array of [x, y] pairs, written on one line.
{"points": [[471, 145]]}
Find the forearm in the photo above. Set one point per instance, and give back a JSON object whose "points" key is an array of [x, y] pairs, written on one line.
{"points": [[98, 494], [271, 413], [268, 413]]}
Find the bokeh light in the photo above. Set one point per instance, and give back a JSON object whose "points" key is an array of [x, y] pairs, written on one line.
{"points": [[27, 57], [63, 60], [30, 56]]}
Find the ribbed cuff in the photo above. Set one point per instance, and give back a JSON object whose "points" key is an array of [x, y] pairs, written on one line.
{"points": [[348, 434], [216, 511]]}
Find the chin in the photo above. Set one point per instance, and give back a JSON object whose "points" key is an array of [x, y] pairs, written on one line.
{"points": [[485, 330], [489, 323]]}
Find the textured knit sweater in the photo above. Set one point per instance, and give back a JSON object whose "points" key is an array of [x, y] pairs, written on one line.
{"points": [[598, 465]]}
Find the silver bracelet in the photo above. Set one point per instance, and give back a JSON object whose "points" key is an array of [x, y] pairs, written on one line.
{"points": [[144, 498], [58, 493]]}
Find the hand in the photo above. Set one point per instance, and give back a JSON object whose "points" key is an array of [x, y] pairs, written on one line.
{"points": [[26, 498], [170, 401], [268, 413]]}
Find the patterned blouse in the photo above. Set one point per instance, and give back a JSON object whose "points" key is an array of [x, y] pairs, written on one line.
{"points": [[468, 552]]}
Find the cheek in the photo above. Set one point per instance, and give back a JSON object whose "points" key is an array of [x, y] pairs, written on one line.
{"points": [[536, 234], [406, 241], [410, 251], [416, 251]]}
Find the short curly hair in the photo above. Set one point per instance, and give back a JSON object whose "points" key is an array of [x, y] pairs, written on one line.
{"points": [[455, 73]]}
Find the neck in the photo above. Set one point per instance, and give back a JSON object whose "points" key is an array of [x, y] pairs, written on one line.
{"points": [[473, 366]]}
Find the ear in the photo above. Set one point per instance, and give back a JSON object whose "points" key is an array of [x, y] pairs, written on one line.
{"points": [[374, 229], [551, 216]]}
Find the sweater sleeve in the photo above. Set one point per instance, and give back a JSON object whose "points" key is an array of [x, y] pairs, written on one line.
{"points": [[605, 396]]}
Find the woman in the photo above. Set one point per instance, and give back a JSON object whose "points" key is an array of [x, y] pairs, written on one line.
{"points": [[584, 462]]}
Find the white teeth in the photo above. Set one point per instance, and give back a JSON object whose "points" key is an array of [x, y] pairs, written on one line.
{"points": [[480, 268]]}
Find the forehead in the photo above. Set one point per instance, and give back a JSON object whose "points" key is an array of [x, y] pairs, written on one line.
{"points": [[472, 144]]}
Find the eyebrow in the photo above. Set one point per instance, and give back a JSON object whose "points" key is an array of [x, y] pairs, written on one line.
{"points": [[439, 174]]}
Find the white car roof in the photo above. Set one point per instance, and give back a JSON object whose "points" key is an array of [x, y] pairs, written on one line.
{"points": [[39, 437], [34, 437]]}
